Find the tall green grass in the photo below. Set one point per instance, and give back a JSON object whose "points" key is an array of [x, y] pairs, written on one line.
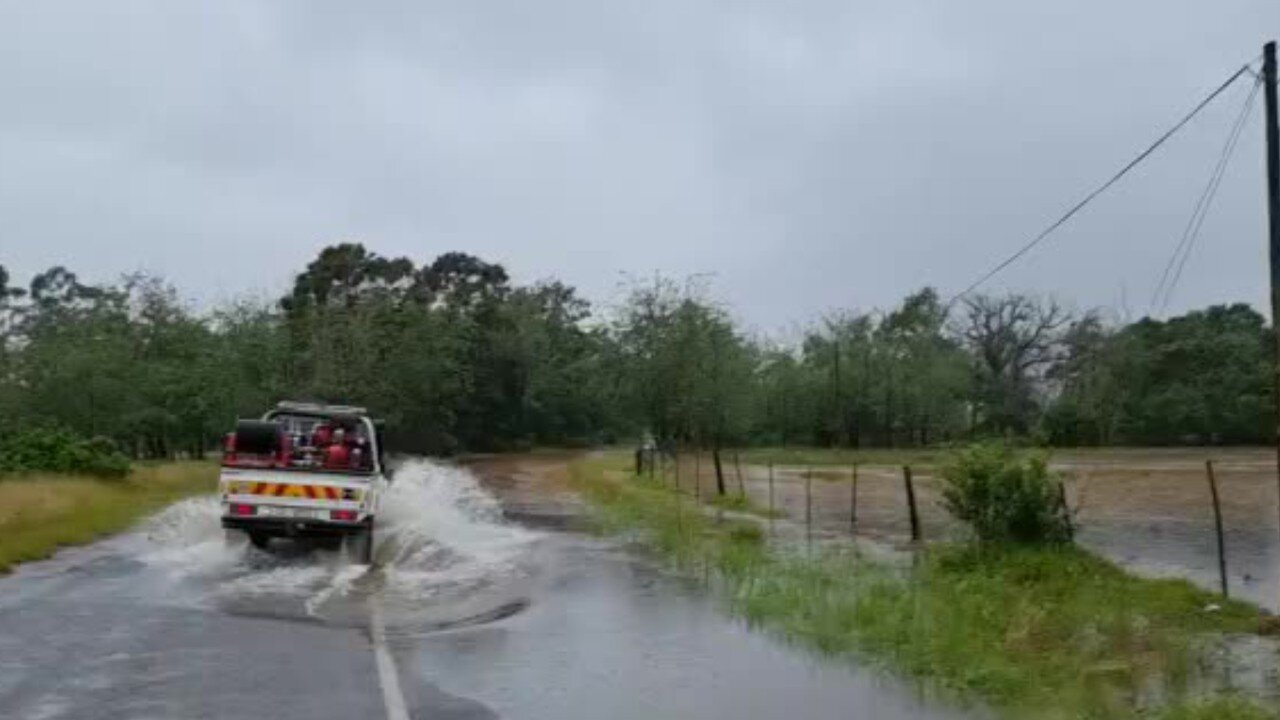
{"points": [[40, 512], [1032, 633]]}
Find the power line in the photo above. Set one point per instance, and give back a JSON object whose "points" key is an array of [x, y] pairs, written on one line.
{"points": [[1192, 231], [1206, 197], [1099, 190], [1195, 233]]}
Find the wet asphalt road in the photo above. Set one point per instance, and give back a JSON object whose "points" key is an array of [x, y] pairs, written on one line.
{"points": [[561, 626]]}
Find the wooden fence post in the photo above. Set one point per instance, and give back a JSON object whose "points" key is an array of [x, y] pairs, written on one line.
{"points": [[911, 503], [808, 503], [737, 468], [679, 503], [715, 457], [1066, 510], [697, 473], [771, 511], [1217, 522], [853, 498]]}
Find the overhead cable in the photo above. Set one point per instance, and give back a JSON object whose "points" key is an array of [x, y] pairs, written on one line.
{"points": [[1192, 230], [1099, 190]]}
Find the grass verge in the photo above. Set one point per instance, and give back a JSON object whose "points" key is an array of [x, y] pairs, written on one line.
{"points": [[1032, 633], [40, 513], [742, 504]]}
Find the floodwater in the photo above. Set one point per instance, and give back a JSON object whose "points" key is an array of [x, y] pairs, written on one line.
{"points": [[1148, 510], [484, 618], [1152, 511]]}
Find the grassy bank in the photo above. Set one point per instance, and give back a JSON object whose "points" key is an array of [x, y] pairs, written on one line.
{"points": [[1045, 633], [40, 513]]}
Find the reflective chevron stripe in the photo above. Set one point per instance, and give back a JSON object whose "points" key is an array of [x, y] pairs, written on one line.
{"points": [[292, 490]]}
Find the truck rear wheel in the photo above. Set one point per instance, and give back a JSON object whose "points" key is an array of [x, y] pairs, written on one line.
{"points": [[360, 545], [259, 540]]}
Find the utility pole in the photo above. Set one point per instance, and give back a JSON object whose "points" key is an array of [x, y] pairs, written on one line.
{"points": [[1273, 213]]}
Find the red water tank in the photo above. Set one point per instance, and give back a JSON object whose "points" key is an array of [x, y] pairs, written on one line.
{"points": [[229, 449], [337, 456], [285, 456]]}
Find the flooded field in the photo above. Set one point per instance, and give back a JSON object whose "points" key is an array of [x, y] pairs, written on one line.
{"points": [[1146, 509]]}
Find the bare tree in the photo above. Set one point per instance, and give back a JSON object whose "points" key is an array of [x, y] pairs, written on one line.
{"points": [[1014, 338]]}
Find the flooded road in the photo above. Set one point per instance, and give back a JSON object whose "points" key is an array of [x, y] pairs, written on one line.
{"points": [[464, 615]]}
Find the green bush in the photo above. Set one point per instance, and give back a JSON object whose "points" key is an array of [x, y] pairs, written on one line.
{"points": [[1005, 497], [60, 451]]}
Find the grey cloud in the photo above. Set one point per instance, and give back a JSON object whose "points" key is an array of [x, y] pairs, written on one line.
{"points": [[811, 155]]}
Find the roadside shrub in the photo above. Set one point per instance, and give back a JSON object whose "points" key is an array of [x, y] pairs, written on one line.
{"points": [[60, 451], [1005, 497]]}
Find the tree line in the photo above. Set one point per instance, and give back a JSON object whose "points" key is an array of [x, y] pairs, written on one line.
{"points": [[457, 357]]}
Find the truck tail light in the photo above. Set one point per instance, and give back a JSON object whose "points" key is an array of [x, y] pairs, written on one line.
{"points": [[343, 515], [243, 509]]}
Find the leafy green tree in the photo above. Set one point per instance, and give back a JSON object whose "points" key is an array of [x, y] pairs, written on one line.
{"points": [[924, 397], [1085, 384], [457, 356], [1201, 377]]}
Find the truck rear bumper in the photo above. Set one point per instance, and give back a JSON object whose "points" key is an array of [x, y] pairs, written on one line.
{"points": [[293, 527]]}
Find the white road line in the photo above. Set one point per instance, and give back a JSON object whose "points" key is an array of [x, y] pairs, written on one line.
{"points": [[388, 677]]}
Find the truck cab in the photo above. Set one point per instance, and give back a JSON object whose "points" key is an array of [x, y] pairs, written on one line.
{"points": [[308, 472]]}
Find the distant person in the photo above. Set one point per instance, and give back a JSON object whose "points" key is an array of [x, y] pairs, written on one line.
{"points": [[360, 457], [337, 454], [322, 436]]}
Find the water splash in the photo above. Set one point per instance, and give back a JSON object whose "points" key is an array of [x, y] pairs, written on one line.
{"points": [[437, 522], [442, 553], [187, 539]]}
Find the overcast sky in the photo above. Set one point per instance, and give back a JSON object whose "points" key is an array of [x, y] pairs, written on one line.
{"points": [[811, 155]]}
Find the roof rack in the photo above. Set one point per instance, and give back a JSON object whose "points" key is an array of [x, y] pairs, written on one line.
{"points": [[320, 409]]}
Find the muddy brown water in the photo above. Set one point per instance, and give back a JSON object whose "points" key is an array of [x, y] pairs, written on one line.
{"points": [[1148, 510]]}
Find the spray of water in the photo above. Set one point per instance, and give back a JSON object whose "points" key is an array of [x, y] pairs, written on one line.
{"points": [[442, 552], [187, 539], [441, 532]]}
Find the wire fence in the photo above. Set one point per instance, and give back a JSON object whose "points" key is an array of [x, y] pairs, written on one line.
{"points": [[1150, 510]]}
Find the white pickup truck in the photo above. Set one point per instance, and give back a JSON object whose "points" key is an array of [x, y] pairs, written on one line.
{"points": [[308, 472]]}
